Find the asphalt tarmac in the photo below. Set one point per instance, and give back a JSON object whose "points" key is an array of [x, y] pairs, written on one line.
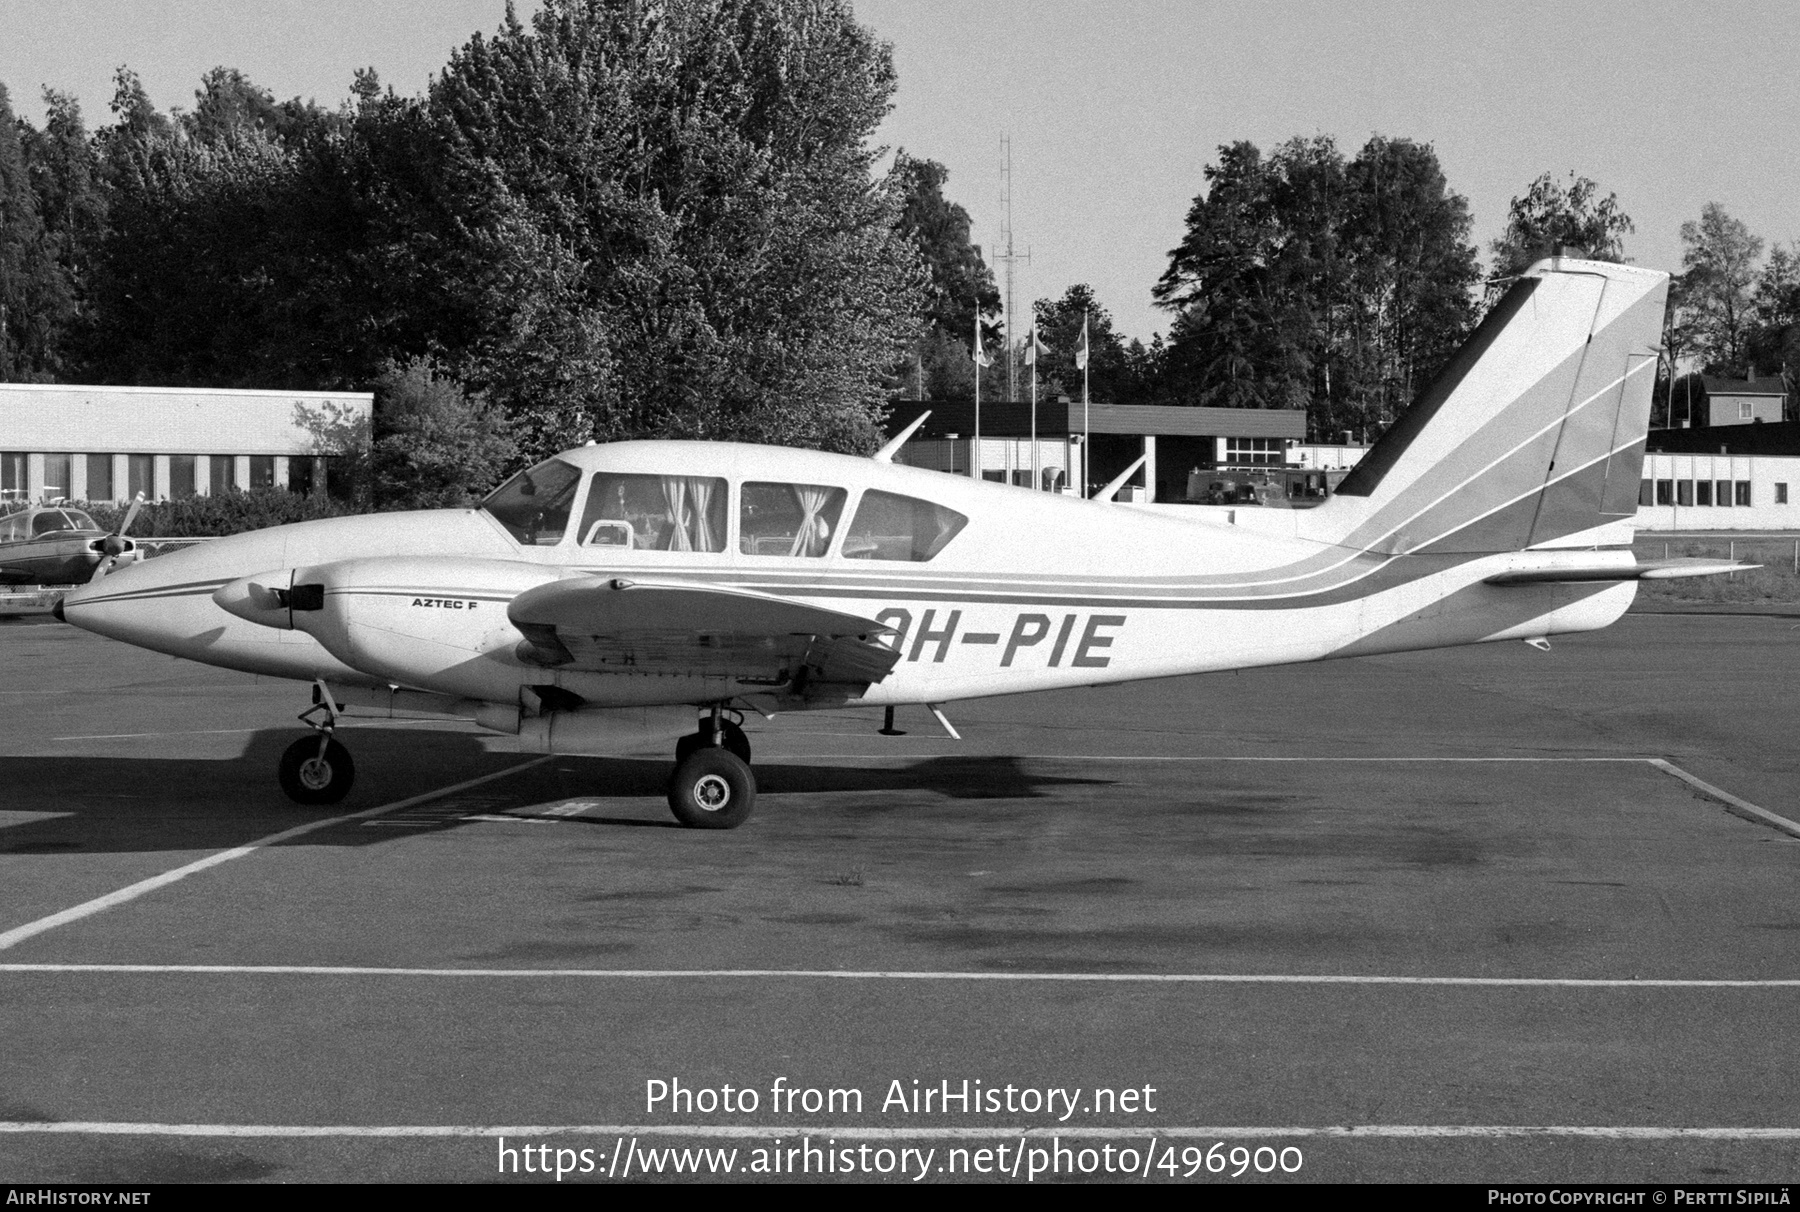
{"points": [[1422, 917]]}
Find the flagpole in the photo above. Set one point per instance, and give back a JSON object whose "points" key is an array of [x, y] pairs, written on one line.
{"points": [[975, 461], [1036, 476], [1086, 435]]}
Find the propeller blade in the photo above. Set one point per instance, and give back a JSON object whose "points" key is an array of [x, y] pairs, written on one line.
{"points": [[131, 514]]}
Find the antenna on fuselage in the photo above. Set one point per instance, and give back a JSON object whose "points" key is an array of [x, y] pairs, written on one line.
{"points": [[886, 453], [1118, 481]]}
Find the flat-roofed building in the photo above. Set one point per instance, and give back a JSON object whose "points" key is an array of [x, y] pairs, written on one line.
{"points": [[1174, 441], [1722, 477], [111, 443]]}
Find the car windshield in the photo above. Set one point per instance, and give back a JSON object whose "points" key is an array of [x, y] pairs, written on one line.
{"points": [[534, 505], [80, 520]]}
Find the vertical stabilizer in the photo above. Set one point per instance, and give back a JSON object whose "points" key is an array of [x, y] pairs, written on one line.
{"points": [[1534, 431]]}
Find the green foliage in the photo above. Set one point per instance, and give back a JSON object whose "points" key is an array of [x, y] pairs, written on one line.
{"points": [[225, 513], [1305, 280], [435, 446], [36, 300], [1550, 215], [1718, 282], [1118, 373], [960, 284]]}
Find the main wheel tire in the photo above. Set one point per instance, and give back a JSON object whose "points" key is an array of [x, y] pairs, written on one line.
{"points": [[311, 779], [712, 788], [731, 736]]}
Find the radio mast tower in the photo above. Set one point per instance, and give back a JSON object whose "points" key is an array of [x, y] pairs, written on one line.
{"points": [[1009, 258]]}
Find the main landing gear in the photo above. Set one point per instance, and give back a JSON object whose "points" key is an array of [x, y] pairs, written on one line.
{"points": [[317, 769], [712, 787]]}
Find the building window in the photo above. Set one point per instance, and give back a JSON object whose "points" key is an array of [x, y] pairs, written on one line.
{"points": [[181, 476], [1781, 494], [1647, 492], [12, 475], [1252, 452], [219, 474], [300, 475], [1743, 492], [56, 475], [1703, 492], [1722, 492], [1684, 492], [1746, 411], [262, 471], [1665, 492], [99, 477], [140, 476]]}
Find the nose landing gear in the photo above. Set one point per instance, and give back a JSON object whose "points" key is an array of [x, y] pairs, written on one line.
{"points": [[712, 787], [317, 769]]}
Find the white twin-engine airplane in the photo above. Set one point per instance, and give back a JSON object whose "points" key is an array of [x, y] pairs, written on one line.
{"points": [[642, 591]]}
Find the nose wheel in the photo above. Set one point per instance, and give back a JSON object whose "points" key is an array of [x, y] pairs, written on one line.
{"points": [[316, 770]]}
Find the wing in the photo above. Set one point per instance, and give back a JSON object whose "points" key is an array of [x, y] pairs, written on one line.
{"points": [[610, 624]]}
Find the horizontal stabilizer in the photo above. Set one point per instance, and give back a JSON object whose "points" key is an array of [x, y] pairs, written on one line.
{"points": [[1651, 570]]}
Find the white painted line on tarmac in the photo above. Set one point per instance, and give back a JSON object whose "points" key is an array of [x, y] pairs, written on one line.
{"points": [[1743, 807], [1150, 757], [138, 736], [1111, 978], [859, 1132], [19, 934]]}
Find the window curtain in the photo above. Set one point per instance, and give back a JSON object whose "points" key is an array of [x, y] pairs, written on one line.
{"points": [[815, 534], [689, 501]]}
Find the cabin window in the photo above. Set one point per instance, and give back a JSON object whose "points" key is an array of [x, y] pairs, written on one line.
{"points": [[50, 521], [892, 527], [788, 519], [655, 513], [534, 505]]}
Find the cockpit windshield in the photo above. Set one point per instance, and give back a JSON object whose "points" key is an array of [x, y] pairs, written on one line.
{"points": [[60, 519], [534, 505]]}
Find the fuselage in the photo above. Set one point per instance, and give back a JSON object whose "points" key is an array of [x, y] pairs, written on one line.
{"points": [[986, 589]]}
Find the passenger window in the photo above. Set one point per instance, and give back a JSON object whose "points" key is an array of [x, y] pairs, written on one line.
{"points": [[534, 505], [788, 519], [654, 513], [892, 527]]}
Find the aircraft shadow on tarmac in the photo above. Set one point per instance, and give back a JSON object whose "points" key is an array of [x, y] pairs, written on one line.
{"points": [[136, 804]]}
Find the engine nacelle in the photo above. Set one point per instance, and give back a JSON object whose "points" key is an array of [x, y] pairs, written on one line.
{"points": [[420, 621]]}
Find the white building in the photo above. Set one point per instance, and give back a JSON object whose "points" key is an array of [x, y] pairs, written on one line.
{"points": [[110, 443], [1719, 492]]}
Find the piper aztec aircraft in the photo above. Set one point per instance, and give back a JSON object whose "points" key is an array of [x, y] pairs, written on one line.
{"points": [[624, 593]]}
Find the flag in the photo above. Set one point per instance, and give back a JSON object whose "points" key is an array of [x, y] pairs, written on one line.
{"points": [[1033, 347], [981, 358], [1081, 347]]}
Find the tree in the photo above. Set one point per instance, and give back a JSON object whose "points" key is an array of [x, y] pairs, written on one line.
{"points": [[1116, 372], [1551, 215], [682, 209], [435, 446], [1718, 259], [1307, 281], [35, 301], [960, 284]]}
